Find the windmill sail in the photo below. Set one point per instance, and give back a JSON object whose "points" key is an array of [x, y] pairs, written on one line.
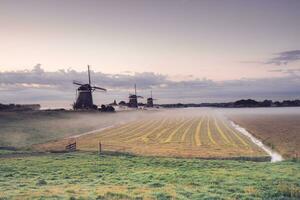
{"points": [[84, 98]]}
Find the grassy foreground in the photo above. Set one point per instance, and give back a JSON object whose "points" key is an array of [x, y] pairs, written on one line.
{"points": [[88, 176]]}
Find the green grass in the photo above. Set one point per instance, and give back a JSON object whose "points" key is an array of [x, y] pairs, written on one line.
{"points": [[9, 152], [88, 176], [4, 152]]}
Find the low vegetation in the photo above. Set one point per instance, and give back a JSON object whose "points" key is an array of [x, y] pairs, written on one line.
{"points": [[88, 176]]}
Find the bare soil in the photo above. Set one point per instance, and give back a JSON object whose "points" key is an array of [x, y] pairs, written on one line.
{"points": [[279, 131]]}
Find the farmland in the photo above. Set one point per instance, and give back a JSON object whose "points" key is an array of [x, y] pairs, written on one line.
{"points": [[140, 158], [281, 131], [22, 129], [204, 134]]}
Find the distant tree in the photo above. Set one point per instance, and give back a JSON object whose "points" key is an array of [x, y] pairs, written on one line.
{"points": [[266, 103], [122, 103], [246, 103], [108, 108]]}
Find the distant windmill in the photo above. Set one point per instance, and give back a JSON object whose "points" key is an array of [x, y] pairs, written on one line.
{"points": [[150, 101], [133, 102], [84, 98]]}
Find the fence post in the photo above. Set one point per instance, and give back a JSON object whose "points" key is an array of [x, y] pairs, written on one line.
{"points": [[100, 147]]}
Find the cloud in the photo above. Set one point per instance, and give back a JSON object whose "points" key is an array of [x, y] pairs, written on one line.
{"points": [[62, 79], [56, 88], [283, 58], [292, 71]]}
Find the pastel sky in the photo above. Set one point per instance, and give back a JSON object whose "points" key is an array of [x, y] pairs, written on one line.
{"points": [[182, 40]]}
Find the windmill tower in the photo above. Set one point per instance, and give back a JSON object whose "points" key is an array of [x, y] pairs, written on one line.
{"points": [[150, 101], [133, 102], [84, 98]]}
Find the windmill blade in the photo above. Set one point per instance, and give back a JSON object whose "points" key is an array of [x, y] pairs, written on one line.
{"points": [[77, 83], [89, 75], [99, 88]]}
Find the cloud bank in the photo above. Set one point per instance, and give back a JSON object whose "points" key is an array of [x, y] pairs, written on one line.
{"points": [[283, 58], [56, 88]]}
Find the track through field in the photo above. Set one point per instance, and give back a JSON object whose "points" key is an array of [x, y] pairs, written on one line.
{"points": [[209, 133]]}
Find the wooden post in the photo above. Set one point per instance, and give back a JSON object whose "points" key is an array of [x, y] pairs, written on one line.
{"points": [[100, 147]]}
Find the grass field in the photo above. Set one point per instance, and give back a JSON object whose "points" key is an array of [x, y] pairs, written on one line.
{"points": [[88, 176], [200, 134]]}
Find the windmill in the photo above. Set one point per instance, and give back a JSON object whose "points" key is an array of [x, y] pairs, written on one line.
{"points": [[133, 102], [84, 98], [150, 101]]}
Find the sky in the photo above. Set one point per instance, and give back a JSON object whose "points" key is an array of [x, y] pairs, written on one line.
{"points": [[183, 50]]}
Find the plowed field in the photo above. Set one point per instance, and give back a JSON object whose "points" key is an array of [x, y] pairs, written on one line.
{"points": [[205, 134]]}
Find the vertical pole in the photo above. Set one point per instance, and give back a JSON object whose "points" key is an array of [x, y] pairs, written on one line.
{"points": [[135, 100], [100, 148], [151, 94]]}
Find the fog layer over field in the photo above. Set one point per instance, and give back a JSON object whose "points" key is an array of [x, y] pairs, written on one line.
{"points": [[261, 111], [21, 129], [26, 128]]}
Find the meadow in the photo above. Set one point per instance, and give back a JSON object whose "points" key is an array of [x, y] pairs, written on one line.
{"points": [[90, 176]]}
